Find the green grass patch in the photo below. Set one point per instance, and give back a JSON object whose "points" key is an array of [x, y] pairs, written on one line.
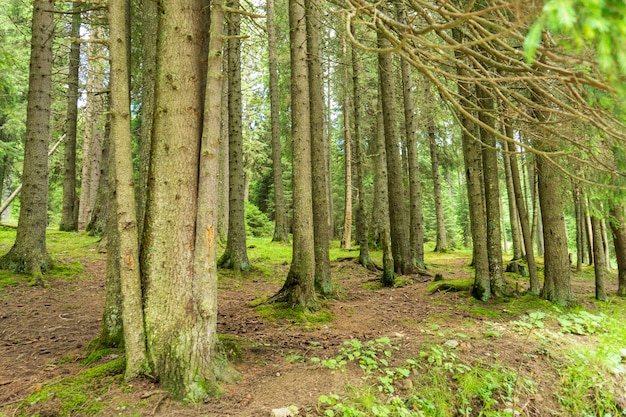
{"points": [[296, 315], [79, 395], [451, 285]]}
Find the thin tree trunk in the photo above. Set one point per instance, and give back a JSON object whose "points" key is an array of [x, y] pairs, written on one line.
{"points": [[492, 194], [235, 256], [589, 229], [29, 253], [99, 216], [605, 245], [598, 255], [281, 233], [473, 174], [299, 287], [69, 214], [150, 19], [516, 234], [578, 211], [397, 209], [124, 191], [618, 227], [346, 239], [320, 168], [523, 217], [222, 221]]}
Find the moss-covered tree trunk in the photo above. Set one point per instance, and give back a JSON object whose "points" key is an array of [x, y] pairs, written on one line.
{"points": [[281, 232], [346, 237], [179, 304], [69, 214], [320, 171], [236, 254], [299, 287], [29, 253]]}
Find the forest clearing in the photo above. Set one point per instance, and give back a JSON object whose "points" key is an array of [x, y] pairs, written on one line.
{"points": [[422, 352]]}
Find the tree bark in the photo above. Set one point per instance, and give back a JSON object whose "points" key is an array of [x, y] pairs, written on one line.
{"points": [[578, 213], [299, 287], [69, 214], [598, 255], [514, 219], [29, 253], [124, 190], [179, 315], [618, 227], [281, 232], [222, 220], [523, 218], [492, 194], [319, 169], [235, 256], [346, 239], [397, 211]]}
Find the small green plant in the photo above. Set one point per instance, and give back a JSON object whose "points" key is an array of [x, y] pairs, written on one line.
{"points": [[581, 323]]}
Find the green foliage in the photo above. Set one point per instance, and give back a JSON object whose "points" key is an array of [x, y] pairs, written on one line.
{"points": [[581, 323], [296, 315], [257, 222]]}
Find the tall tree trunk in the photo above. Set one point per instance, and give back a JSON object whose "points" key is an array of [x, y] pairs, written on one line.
{"points": [[99, 216], [514, 219], [588, 229], [578, 213], [362, 232], [416, 217], [320, 169], [69, 215], [222, 219], [605, 245], [299, 287], [124, 190], [598, 255], [93, 135], [618, 227], [381, 197], [235, 256], [397, 209], [441, 244], [281, 232], [179, 314], [556, 287], [492, 193], [29, 253], [523, 217], [150, 19], [473, 174], [346, 239]]}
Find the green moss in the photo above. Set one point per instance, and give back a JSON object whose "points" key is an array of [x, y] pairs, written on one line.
{"points": [[78, 395], [232, 347], [283, 311], [456, 284]]}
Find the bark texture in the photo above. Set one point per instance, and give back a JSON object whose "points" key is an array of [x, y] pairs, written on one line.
{"points": [[29, 253], [598, 254], [618, 227]]}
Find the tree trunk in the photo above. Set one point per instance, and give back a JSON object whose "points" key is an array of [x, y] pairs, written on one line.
{"points": [[99, 215], [441, 244], [69, 215], [299, 287], [150, 20], [556, 287], [523, 217], [222, 220], [397, 211], [598, 255], [235, 256], [578, 212], [319, 168], [281, 232], [416, 217], [492, 194], [605, 245], [346, 239], [124, 191], [94, 134], [178, 307], [473, 174], [588, 229], [618, 227], [29, 253], [514, 219], [362, 232]]}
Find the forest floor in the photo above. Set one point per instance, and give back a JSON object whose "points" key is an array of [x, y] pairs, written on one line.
{"points": [[422, 352]]}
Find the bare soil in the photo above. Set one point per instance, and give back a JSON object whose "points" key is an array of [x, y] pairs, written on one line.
{"points": [[44, 334]]}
